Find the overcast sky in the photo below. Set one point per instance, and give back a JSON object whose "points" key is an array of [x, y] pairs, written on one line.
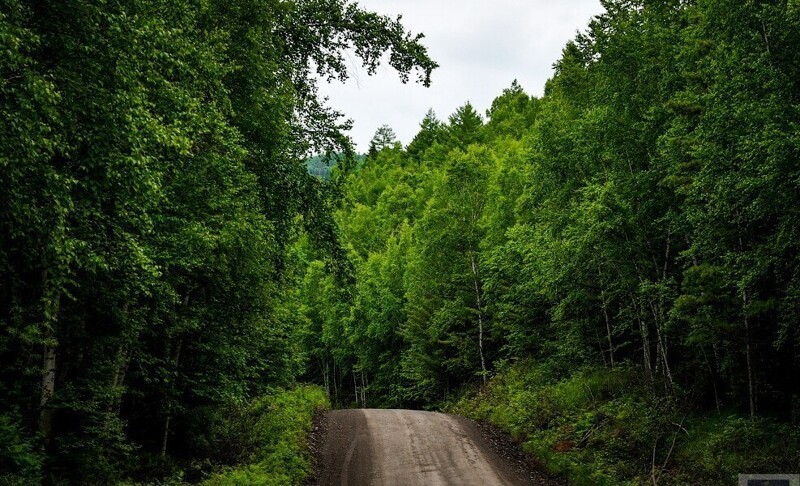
{"points": [[481, 47]]}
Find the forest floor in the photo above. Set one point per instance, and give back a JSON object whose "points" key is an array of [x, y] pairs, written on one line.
{"points": [[403, 447]]}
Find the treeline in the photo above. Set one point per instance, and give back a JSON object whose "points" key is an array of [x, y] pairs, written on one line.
{"points": [[152, 181], [322, 166], [642, 213]]}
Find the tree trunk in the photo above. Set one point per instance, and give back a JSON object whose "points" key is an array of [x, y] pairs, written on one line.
{"points": [[165, 435], [48, 383], [658, 360], [336, 384], [363, 389], [765, 35], [643, 331], [661, 343], [355, 387], [479, 303], [713, 378], [121, 366], [648, 366], [326, 378], [608, 328], [47, 389], [747, 351], [663, 352], [118, 378], [659, 313], [176, 362], [600, 346]]}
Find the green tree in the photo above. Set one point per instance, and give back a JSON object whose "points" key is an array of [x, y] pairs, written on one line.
{"points": [[384, 137], [153, 186]]}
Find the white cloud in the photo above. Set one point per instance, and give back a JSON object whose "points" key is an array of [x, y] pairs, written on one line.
{"points": [[481, 47]]}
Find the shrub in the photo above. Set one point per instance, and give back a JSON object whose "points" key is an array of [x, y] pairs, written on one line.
{"points": [[280, 423], [603, 426], [20, 455]]}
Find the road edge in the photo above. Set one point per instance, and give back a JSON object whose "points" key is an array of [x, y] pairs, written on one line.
{"points": [[316, 443], [504, 445]]}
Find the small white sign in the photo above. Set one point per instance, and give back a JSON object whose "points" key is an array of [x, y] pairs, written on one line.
{"points": [[769, 480]]}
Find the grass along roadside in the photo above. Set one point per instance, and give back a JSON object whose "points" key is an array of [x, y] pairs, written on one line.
{"points": [[601, 426], [281, 427]]}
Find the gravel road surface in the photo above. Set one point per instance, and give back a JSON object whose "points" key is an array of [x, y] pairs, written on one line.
{"points": [[411, 448]]}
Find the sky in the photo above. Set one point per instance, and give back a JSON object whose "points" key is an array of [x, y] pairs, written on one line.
{"points": [[481, 47]]}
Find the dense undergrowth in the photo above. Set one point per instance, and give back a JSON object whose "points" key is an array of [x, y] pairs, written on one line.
{"points": [[609, 426], [262, 443], [274, 438]]}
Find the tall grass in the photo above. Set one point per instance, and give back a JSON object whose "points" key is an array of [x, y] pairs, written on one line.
{"points": [[280, 428], [602, 426]]}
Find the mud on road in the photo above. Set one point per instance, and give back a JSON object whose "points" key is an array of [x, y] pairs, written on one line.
{"points": [[412, 448]]}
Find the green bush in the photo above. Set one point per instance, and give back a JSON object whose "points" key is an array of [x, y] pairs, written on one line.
{"points": [[601, 426], [20, 456], [281, 423], [749, 446]]}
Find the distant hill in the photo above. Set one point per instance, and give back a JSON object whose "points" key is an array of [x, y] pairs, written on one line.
{"points": [[321, 166]]}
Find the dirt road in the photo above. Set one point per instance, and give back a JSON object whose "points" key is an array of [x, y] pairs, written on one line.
{"points": [[404, 447]]}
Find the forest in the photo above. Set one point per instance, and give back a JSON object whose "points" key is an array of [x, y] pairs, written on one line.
{"points": [[152, 187], [610, 272]]}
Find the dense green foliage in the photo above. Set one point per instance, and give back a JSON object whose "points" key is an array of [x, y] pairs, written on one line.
{"points": [[272, 436], [323, 166], [152, 181], [617, 261], [641, 218], [607, 427]]}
